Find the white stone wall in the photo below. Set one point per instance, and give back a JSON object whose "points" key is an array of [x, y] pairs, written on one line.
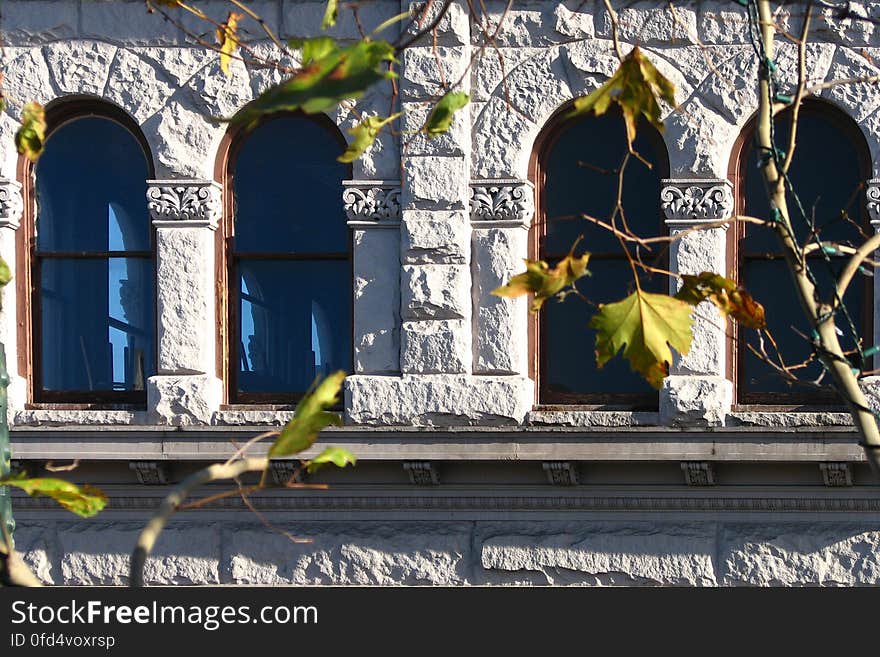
{"points": [[432, 346]]}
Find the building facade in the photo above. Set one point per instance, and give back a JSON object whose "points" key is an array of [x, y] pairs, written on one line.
{"points": [[491, 450]]}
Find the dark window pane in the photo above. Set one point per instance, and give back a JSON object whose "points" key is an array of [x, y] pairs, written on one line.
{"points": [[98, 321], [294, 323], [825, 192], [91, 189], [772, 286], [288, 189], [569, 361], [581, 178]]}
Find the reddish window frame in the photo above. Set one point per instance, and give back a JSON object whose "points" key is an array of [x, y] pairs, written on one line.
{"points": [[28, 260], [738, 167], [226, 258]]}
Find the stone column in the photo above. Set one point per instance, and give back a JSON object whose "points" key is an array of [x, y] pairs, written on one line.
{"points": [[10, 219], [435, 275], [871, 384], [185, 214], [501, 212], [373, 211], [697, 392]]}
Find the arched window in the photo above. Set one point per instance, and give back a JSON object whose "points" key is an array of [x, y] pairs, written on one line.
{"points": [[288, 259], [575, 171], [829, 170], [89, 241]]}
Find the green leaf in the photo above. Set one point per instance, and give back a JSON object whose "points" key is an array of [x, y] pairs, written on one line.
{"points": [[31, 136], [364, 134], [5, 273], [542, 281], [330, 75], [228, 40], [310, 417], [730, 298], [330, 14], [335, 455], [440, 119], [644, 326], [636, 87], [84, 501]]}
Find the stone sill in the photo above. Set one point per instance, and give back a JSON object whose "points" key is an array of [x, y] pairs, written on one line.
{"points": [[604, 444]]}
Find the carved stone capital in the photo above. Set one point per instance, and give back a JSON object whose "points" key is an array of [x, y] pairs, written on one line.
{"points": [[284, 472], [197, 201], [836, 474], [502, 200], [689, 202], [872, 191], [150, 473], [698, 473], [371, 200], [10, 203]]}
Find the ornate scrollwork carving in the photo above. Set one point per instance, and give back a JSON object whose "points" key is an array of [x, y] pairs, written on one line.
{"points": [[873, 193], [371, 201], [184, 200], [503, 200], [11, 205], [696, 200]]}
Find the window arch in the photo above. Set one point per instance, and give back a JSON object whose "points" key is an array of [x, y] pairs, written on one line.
{"points": [[287, 259], [88, 288], [574, 168], [831, 165]]}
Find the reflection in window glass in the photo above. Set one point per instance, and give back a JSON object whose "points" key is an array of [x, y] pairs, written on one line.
{"points": [[290, 259], [93, 261], [580, 176]]}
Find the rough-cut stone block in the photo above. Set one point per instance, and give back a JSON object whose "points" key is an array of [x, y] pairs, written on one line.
{"points": [[648, 23], [605, 553], [303, 19], [353, 553], [37, 545], [376, 300], [185, 299], [431, 183], [63, 417], [435, 237], [424, 71], [248, 29], [435, 346], [127, 22], [136, 86], [215, 94], [502, 141], [699, 140], [25, 78], [537, 85], [39, 20], [454, 142], [183, 400], [500, 324], [695, 400], [535, 24], [184, 143], [721, 23], [437, 400], [491, 67], [435, 291], [824, 554], [860, 100], [732, 91], [80, 66], [452, 30], [176, 64], [98, 554]]}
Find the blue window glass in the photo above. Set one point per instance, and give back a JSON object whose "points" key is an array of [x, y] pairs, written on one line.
{"points": [[579, 173], [290, 263], [93, 266], [836, 203]]}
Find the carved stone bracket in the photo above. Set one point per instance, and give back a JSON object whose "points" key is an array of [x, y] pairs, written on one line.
{"points": [[696, 201], [371, 200], [502, 200], [197, 201], [698, 473], [422, 473], [872, 191], [283, 472], [150, 473], [561, 473], [10, 203], [836, 474]]}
